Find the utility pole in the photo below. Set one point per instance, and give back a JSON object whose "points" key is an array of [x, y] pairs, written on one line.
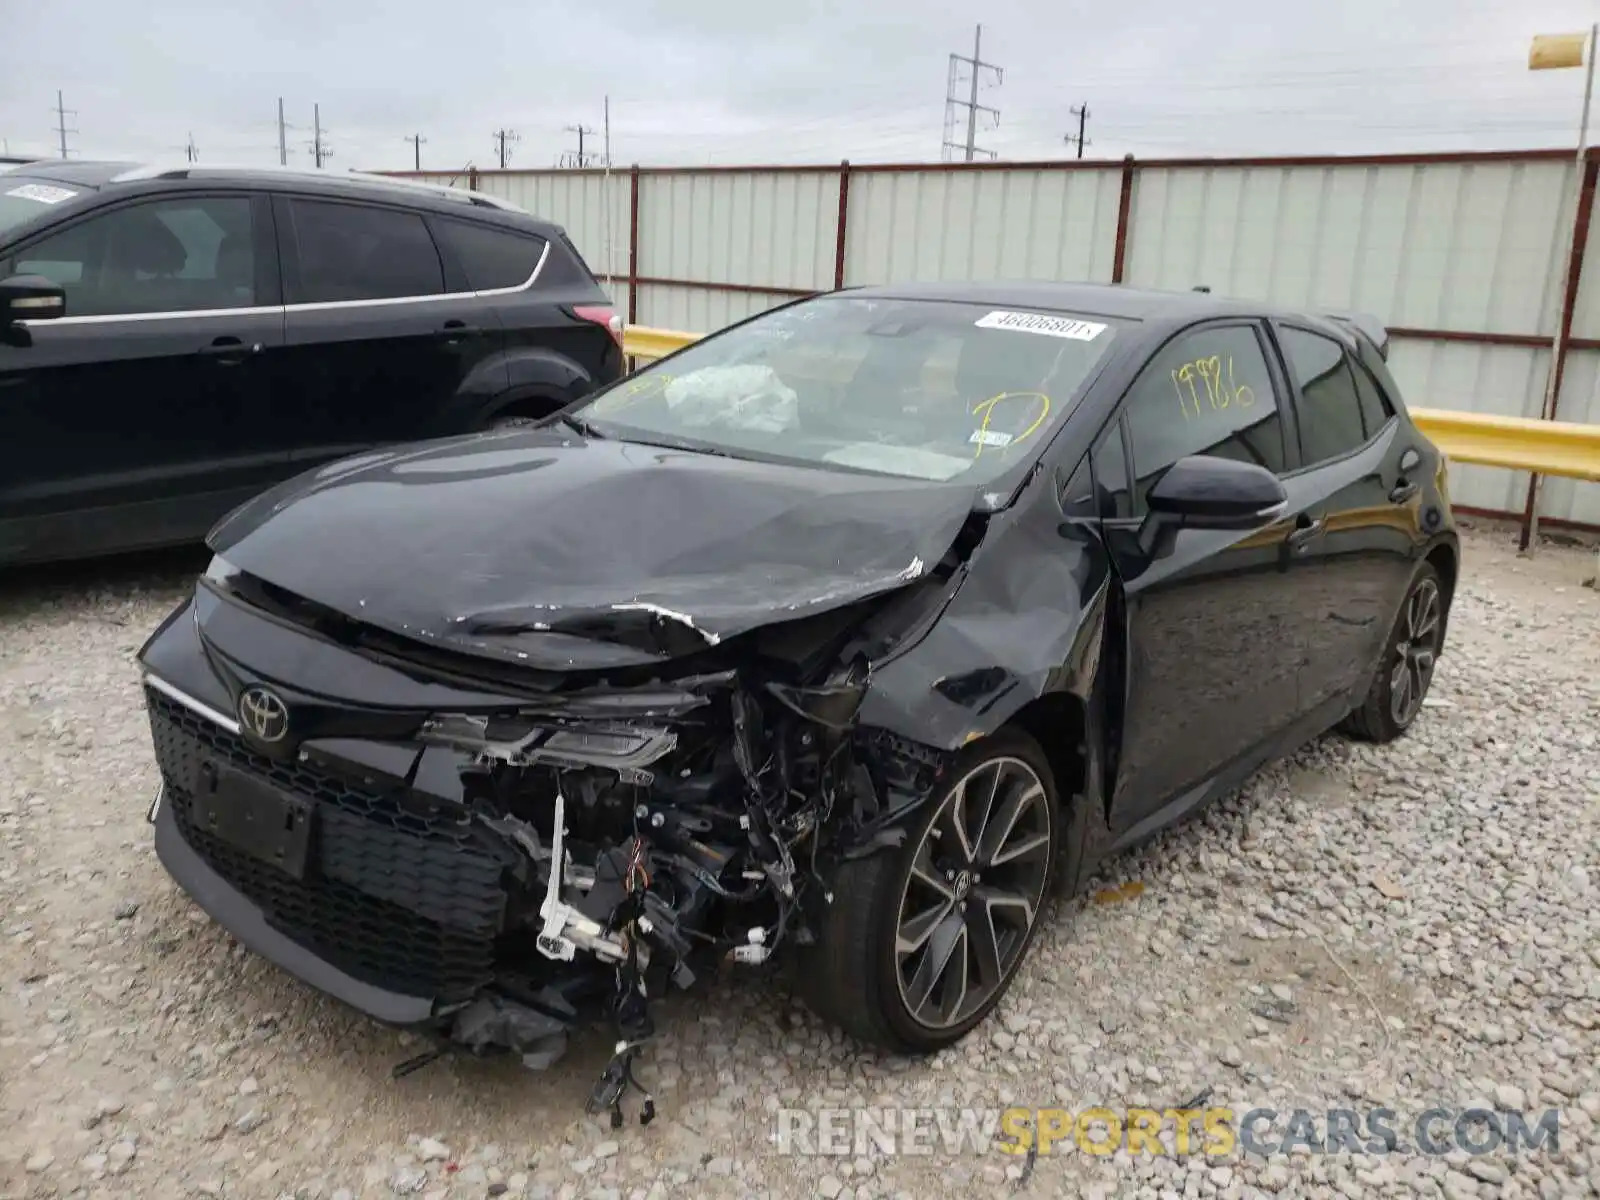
{"points": [[417, 142], [504, 139], [580, 159], [283, 141], [970, 147], [61, 123], [608, 134], [1082, 113], [192, 150], [319, 151]]}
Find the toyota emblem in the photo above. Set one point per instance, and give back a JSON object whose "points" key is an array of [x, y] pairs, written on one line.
{"points": [[263, 714]]}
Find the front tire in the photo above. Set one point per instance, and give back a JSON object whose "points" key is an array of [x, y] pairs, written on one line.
{"points": [[920, 944], [1400, 684]]}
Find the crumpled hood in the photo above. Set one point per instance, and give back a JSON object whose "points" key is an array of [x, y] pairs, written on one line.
{"points": [[565, 553]]}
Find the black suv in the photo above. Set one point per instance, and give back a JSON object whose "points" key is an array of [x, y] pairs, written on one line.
{"points": [[172, 341]]}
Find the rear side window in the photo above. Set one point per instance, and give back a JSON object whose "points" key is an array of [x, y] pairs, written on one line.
{"points": [[1375, 410], [1207, 392], [492, 258], [354, 252], [1331, 423]]}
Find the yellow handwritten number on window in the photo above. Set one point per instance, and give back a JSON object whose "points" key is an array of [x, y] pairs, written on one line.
{"points": [[1204, 382]]}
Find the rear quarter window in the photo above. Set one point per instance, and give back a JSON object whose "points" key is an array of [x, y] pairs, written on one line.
{"points": [[492, 258]]}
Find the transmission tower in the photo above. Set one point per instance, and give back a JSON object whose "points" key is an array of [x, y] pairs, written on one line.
{"points": [[952, 102]]}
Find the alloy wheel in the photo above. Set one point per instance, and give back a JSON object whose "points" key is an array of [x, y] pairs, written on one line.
{"points": [[973, 893], [1417, 649]]}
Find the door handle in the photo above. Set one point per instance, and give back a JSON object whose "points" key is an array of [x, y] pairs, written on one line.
{"points": [[228, 350], [459, 331], [1402, 491], [1306, 530]]}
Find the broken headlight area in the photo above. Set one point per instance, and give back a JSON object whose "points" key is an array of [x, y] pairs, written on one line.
{"points": [[661, 830]]}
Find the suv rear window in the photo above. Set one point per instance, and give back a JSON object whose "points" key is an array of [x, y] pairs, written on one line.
{"points": [[492, 258]]}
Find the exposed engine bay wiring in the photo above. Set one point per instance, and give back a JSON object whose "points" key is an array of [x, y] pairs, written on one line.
{"points": [[645, 850]]}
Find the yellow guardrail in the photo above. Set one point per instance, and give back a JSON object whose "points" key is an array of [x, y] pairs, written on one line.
{"points": [[1548, 447], [1520, 443], [643, 342]]}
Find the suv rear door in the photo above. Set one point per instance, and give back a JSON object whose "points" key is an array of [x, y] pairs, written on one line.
{"points": [[382, 332], [144, 413], [563, 339]]}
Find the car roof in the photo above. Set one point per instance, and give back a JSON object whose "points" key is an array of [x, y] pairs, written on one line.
{"points": [[1100, 299], [1120, 302], [101, 176], [83, 174]]}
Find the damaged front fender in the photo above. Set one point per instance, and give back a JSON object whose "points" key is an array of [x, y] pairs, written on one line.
{"points": [[1026, 622]]}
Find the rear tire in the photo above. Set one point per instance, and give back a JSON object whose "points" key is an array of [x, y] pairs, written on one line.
{"points": [[918, 946], [1405, 671]]}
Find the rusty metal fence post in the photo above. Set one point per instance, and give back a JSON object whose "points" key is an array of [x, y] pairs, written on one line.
{"points": [[1551, 404], [839, 244], [1119, 256]]}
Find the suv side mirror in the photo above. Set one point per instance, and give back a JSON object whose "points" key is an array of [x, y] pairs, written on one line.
{"points": [[1211, 493], [30, 298]]}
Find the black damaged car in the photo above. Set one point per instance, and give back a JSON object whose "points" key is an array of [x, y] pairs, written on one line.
{"points": [[841, 635]]}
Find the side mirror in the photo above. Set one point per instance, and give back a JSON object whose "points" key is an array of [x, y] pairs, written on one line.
{"points": [[30, 298], [1211, 493]]}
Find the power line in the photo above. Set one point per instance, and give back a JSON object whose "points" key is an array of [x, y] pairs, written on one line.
{"points": [[953, 102], [1081, 111], [417, 143], [504, 139], [61, 123]]}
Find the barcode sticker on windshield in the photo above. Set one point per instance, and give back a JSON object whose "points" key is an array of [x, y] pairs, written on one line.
{"points": [[1026, 322], [41, 193], [989, 437]]}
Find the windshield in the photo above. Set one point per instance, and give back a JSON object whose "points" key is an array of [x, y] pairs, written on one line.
{"points": [[930, 389], [23, 198]]}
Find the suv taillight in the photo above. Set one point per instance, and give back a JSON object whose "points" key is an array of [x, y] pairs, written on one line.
{"points": [[601, 314]]}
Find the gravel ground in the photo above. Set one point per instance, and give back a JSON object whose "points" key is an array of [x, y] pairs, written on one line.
{"points": [[1413, 927]]}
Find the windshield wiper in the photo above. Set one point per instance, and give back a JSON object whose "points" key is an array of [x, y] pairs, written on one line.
{"points": [[582, 426], [677, 444]]}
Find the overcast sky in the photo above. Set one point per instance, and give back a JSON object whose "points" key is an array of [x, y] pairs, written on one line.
{"points": [[731, 81]]}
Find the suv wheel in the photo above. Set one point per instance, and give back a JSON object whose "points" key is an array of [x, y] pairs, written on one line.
{"points": [[512, 421], [920, 944], [1405, 671]]}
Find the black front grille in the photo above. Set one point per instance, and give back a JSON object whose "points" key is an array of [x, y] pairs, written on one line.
{"points": [[401, 900]]}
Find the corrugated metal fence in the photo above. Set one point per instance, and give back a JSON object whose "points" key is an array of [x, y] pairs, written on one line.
{"points": [[1471, 260]]}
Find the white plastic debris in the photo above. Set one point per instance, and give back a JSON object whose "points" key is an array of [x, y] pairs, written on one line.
{"points": [[739, 397]]}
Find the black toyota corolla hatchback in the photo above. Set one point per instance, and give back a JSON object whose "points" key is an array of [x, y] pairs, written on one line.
{"points": [[841, 635]]}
